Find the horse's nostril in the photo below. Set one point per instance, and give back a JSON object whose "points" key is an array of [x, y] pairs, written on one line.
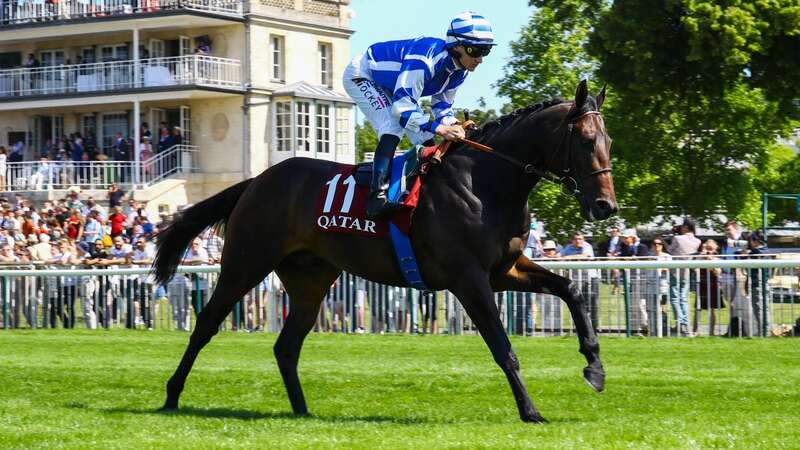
{"points": [[605, 207]]}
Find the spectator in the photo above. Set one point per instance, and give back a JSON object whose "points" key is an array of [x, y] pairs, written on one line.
{"points": [[549, 249], [630, 246], [122, 153], [611, 248], [145, 154], [41, 251], [118, 222], [636, 281], [732, 247], [684, 243], [658, 289], [65, 307], [533, 247], [145, 130], [197, 255], [549, 306], [177, 136], [708, 297], [17, 152], [757, 283], [213, 245], [7, 254], [3, 167], [115, 195], [73, 226], [143, 255], [165, 141], [45, 173], [588, 280]]}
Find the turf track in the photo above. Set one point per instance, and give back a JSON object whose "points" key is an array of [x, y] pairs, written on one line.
{"points": [[83, 389]]}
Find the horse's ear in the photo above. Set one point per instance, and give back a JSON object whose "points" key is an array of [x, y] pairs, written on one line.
{"points": [[581, 94], [601, 97]]}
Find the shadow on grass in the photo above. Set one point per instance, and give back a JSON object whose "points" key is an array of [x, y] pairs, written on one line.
{"points": [[241, 414]]}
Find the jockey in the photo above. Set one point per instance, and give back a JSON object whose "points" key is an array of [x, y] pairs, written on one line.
{"points": [[388, 80]]}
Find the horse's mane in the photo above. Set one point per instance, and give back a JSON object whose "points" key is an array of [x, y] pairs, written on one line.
{"points": [[488, 129]]}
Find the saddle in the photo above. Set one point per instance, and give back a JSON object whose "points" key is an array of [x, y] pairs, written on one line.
{"points": [[413, 161]]}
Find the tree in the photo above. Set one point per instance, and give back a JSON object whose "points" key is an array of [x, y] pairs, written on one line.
{"points": [[691, 122], [548, 60], [366, 140]]}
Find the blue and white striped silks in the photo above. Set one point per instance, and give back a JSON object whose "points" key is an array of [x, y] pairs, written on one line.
{"points": [[414, 68]]}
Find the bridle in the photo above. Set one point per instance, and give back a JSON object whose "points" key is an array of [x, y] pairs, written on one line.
{"points": [[561, 177]]}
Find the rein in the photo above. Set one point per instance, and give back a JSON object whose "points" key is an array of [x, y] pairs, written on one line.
{"points": [[564, 178]]}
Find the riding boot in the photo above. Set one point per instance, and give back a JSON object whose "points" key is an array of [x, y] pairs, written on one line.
{"points": [[378, 205]]}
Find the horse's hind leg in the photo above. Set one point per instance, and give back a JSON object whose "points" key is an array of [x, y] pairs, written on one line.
{"points": [[526, 276], [234, 281], [306, 280]]}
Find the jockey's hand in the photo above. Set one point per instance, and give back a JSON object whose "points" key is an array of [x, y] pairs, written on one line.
{"points": [[450, 132]]}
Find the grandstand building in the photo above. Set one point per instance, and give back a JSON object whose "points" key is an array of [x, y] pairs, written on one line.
{"points": [[248, 82]]}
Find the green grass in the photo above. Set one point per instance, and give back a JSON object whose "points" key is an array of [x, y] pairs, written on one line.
{"points": [[83, 389]]}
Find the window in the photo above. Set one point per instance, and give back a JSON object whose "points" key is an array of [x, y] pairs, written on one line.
{"points": [[303, 124], [276, 57], [325, 62], [283, 126], [323, 128], [342, 131]]}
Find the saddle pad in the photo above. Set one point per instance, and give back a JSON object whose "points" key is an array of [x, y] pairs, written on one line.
{"points": [[342, 206]]}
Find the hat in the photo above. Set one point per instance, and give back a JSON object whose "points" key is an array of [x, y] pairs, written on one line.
{"points": [[32, 238], [630, 232], [549, 245]]}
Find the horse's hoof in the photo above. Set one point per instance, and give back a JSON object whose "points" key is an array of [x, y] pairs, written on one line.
{"points": [[533, 418], [169, 406], [302, 414], [595, 377]]}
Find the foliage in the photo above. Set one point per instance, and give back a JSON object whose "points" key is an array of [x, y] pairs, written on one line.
{"points": [[698, 92], [693, 123], [548, 60], [66, 389]]}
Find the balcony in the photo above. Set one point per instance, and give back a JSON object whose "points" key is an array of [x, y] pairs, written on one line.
{"points": [[152, 73], [18, 12], [98, 175]]}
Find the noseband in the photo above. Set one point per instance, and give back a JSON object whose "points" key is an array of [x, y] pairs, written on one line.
{"points": [[562, 177]]}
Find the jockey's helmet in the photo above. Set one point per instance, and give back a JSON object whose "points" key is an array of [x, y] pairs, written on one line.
{"points": [[470, 29]]}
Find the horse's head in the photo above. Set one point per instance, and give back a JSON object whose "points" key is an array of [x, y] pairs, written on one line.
{"points": [[583, 159]]}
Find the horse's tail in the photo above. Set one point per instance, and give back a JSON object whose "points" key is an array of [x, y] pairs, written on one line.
{"points": [[176, 237]]}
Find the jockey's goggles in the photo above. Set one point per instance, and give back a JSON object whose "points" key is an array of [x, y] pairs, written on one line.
{"points": [[477, 51]]}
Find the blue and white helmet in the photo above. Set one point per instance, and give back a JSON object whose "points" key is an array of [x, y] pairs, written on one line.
{"points": [[470, 28]]}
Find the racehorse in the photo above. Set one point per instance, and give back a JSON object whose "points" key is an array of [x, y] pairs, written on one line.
{"points": [[468, 233]]}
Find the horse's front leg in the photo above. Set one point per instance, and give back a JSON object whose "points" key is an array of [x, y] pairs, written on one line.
{"points": [[475, 294], [525, 276]]}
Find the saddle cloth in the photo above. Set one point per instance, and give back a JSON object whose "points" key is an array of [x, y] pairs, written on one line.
{"points": [[342, 205]]}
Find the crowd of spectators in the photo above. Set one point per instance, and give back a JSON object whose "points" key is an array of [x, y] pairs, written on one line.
{"points": [[90, 233], [66, 162], [649, 289]]}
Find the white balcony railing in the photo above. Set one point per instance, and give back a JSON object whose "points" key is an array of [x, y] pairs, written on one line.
{"points": [[14, 12], [196, 70], [52, 175]]}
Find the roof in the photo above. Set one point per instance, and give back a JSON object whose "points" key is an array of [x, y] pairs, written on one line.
{"points": [[306, 90]]}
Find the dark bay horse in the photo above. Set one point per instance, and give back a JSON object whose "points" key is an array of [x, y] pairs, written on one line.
{"points": [[469, 232]]}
